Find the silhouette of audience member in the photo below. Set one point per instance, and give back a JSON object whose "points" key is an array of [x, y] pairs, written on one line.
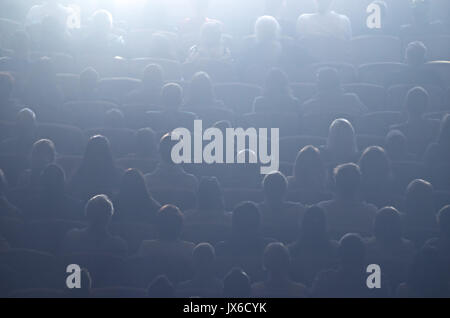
{"points": [[97, 172], [279, 217], [95, 238], [246, 239], [145, 144], [278, 284], [51, 200], [388, 248], [421, 24], [167, 174], [236, 284], [114, 119], [419, 131], [309, 174], [19, 60], [149, 92], [50, 8], [277, 9], [8, 107], [161, 287], [349, 280], [211, 44], [6, 208], [396, 146], [427, 277], [347, 213], [89, 79], [442, 242], [210, 204], [376, 177], [21, 143], [168, 247], [134, 203], [341, 144], [331, 97], [201, 93], [205, 284], [325, 22], [277, 95], [313, 251]]}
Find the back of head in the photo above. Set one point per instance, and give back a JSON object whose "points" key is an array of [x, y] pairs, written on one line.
{"points": [[99, 210], [98, 154], [26, 121], [211, 34], [133, 186], [276, 84], [246, 219], [328, 80], [341, 137], [89, 78], [417, 102], [165, 148], [275, 187], [114, 118], [396, 144], [172, 96], [388, 225], [420, 200], [309, 165], [169, 222], [236, 284], [324, 6], [53, 179], [42, 153], [204, 256], [209, 195], [443, 220], [267, 29], [201, 91], [102, 21], [6, 86], [375, 166], [352, 251], [276, 259], [153, 76], [161, 287], [347, 178], [145, 142], [416, 53], [313, 224]]}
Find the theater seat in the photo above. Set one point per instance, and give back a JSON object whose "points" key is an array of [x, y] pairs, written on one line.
{"points": [[114, 89], [290, 146], [86, 114], [376, 48], [171, 69], [378, 123], [122, 140], [68, 140], [287, 123], [373, 96], [237, 96], [308, 73], [220, 72], [377, 73], [397, 97]]}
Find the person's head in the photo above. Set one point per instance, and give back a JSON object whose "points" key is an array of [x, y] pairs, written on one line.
{"points": [[6, 86], [267, 29], [98, 153], [209, 195], [416, 102], [276, 259], [419, 202], [416, 53], [347, 178], [309, 168], [375, 166], [341, 137], [323, 6], [114, 118], [169, 222], [421, 10], [396, 145], [172, 96], [201, 92], [161, 287], [102, 21], [444, 133], [275, 187], [153, 76], [133, 186], [236, 284], [99, 210], [165, 148], [313, 225], [276, 84], [53, 179], [246, 220], [443, 219], [328, 80], [388, 225], [89, 79], [211, 34], [42, 154], [204, 256], [352, 251], [26, 122], [145, 142]]}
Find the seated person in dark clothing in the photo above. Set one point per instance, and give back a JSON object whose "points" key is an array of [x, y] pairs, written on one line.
{"points": [[8, 107], [277, 95], [350, 279], [134, 203], [347, 212], [149, 92], [442, 242], [210, 204], [396, 146], [236, 284], [246, 240], [279, 218], [415, 58], [6, 208], [146, 146], [95, 238], [331, 98], [313, 251], [89, 79], [168, 174], [205, 284], [168, 246], [278, 284], [418, 130], [51, 200], [19, 62], [161, 287], [24, 137], [201, 93]]}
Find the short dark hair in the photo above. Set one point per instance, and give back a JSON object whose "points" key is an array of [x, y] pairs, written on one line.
{"points": [[246, 218], [276, 258], [6, 85], [172, 96], [169, 222], [417, 101], [236, 284], [99, 210], [275, 185], [347, 179]]}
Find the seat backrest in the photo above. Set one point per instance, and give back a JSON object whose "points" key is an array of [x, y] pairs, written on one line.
{"points": [[397, 97], [378, 123], [290, 146], [114, 89], [219, 71], [377, 73], [68, 140], [122, 140], [376, 48], [373, 96], [237, 96], [171, 69], [308, 73]]}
